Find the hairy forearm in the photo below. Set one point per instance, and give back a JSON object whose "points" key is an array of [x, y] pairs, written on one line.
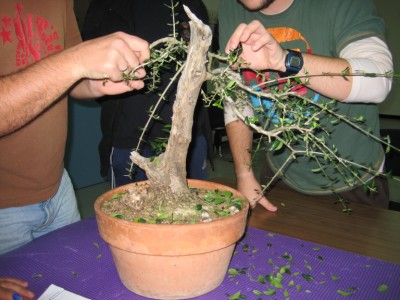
{"points": [[27, 93], [240, 138], [336, 87]]}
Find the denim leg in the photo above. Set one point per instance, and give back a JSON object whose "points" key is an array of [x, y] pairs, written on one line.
{"points": [[20, 225], [16, 224], [61, 209]]}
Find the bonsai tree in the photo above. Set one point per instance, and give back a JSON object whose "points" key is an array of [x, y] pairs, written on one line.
{"points": [[298, 117], [180, 262]]}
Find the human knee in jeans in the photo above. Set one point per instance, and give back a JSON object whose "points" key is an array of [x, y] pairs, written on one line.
{"points": [[20, 225]]}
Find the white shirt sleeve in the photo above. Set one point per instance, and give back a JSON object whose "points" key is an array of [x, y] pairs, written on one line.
{"points": [[369, 55], [229, 114]]}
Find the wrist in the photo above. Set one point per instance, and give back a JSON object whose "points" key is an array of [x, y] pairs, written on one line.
{"points": [[245, 174], [293, 62]]}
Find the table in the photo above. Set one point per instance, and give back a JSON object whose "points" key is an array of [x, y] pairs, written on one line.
{"points": [[77, 259], [368, 230]]}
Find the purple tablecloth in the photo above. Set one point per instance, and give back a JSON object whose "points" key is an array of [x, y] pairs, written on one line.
{"points": [[76, 258]]}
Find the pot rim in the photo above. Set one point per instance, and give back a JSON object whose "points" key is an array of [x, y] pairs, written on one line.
{"points": [[101, 199], [176, 239]]}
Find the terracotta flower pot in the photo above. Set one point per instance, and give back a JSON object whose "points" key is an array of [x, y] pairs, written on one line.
{"points": [[174, 261]]}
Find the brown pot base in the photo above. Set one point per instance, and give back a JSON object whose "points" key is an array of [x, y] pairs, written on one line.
{"points": [[172, 277], [176, 261]]}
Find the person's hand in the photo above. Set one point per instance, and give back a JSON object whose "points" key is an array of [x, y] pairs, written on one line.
{"points": [[105, 59], [260, 49], [252, 190], [9, 286]]}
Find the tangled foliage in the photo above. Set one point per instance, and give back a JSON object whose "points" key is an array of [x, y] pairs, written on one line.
{"points": [[284, 119]]}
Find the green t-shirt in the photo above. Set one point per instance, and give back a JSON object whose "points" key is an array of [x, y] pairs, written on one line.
{"points": [[324, 28]]}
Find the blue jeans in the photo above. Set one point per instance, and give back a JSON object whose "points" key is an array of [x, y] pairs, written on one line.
{"points": [[20, 225], [120, 163]]}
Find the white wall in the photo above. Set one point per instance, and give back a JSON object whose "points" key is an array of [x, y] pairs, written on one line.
{"points": [[389, 10]]}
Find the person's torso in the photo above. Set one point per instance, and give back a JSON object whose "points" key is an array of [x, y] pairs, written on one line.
{"points": [[322, 28], [31, 158]]}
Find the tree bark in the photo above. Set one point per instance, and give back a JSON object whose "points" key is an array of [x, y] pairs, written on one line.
{"points": [[169, 169]]}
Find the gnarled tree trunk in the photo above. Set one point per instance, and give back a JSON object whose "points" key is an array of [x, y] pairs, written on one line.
{"points": [[168, 171]]}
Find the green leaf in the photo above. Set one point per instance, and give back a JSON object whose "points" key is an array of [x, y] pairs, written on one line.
{"points": [[154, 221], [285, 270], [383, 288], [118, 196], [270, 292], [269, 277], [118, 216], [277, 284], [219, 201], [307, 277], [163, 215], [333, 277], [297, 79], [233, 272], [316, 170], [286, 293], [347, 293], [237, 296], [139, 220], [287, 256], [238, 205], [231, 84], [387, 150], [261, 279], [277, 145], [277, 281], [222, 213], [360, 118]]}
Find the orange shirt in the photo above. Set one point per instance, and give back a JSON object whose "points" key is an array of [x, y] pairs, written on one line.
{"points": [[31, 159]]}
